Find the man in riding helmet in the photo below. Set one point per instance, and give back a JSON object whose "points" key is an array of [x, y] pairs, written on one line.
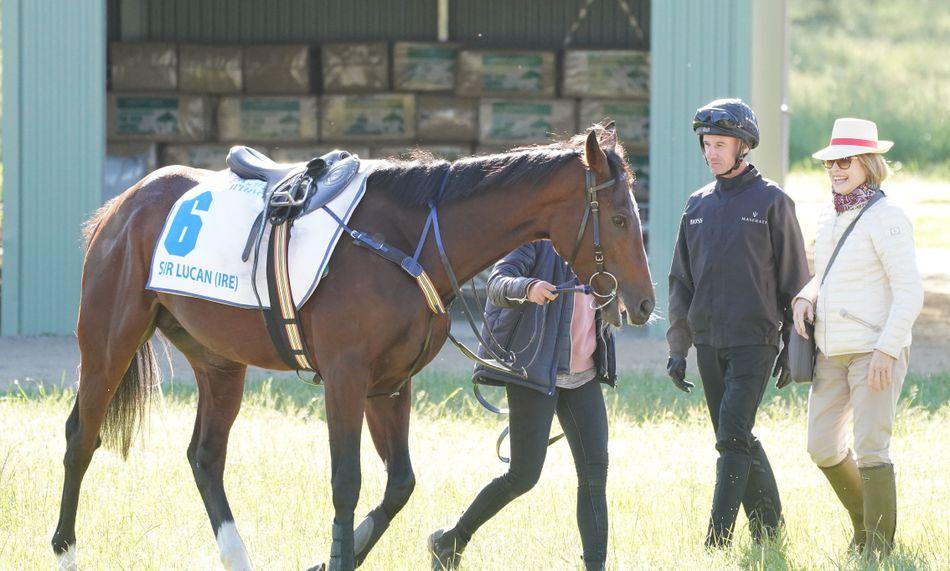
{"points": [[738, 263]]}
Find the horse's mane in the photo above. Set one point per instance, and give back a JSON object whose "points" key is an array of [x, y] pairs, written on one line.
{"points": [[417, 180]]}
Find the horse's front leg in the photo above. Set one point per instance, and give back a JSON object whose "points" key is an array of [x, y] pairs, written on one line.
{"points": [[345, 403], [388, 420]]}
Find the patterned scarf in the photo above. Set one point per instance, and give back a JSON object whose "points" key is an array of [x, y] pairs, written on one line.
{"points": [[854, 199]]}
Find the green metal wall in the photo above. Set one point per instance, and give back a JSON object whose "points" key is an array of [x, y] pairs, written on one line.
{"points": [[701, 50], [53, 137]]}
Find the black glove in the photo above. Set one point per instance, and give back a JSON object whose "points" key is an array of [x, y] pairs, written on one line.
{"points": [[781, 369], [676, 369]]}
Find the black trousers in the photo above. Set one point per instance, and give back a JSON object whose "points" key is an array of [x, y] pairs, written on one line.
{"points": [[734, 380], [583, 416]]}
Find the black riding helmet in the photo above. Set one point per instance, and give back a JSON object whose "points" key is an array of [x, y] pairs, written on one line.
{"points": [[730, 117]]}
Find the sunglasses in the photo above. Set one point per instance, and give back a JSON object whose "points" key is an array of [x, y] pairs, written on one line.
{"points": [[843, 164], [717, 117]]}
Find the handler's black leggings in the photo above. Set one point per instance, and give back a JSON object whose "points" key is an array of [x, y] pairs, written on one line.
{"points": [[583, 416], [734, 380]]}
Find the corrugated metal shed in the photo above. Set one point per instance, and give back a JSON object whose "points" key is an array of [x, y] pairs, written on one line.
{"points": [[54, 97], [53, 144], [276, 21], [544, 24]]}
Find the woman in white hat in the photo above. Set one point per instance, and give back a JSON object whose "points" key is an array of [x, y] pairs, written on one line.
{"points": [[863, 312]]}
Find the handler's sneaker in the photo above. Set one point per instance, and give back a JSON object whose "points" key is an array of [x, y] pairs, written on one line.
{"points": [[445, 547]]}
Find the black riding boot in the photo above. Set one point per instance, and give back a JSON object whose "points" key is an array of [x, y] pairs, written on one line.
{"points": [[732, 476], [762, 504], [445, 548]]}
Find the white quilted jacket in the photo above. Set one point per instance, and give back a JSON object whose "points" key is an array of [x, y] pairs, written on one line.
{"points": [[873, 293]]}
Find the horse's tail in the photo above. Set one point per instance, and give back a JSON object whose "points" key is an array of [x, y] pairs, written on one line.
{"points": [[130, 403]]}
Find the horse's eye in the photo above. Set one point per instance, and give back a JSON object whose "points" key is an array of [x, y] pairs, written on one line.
{"points": [[620, 221]]}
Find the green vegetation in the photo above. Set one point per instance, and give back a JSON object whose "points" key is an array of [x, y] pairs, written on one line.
{"points": [[883, 60], [135, 514]]}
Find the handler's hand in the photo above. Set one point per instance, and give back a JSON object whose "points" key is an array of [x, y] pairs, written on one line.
{"points": [[880, 371], [803, 311], [676, 369], [541, 292]]}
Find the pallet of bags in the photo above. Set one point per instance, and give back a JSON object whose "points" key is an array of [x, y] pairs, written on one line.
{"points": [[125, 165], [282, 69], [210, 69], [388, 116], [446, 151], [606, 73], [165, 117], [424, 66], [211, 156], [632, 118], [639, 161], [268, 118], [446, 118], [144, 67], [506, 73], [303, 153], [514, 121], [355, 67]]}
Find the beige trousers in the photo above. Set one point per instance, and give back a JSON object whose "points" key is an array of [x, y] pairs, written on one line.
{"points": [[841, 392]]}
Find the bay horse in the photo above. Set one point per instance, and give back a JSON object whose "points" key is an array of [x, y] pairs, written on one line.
{"points": [[366, 324]]}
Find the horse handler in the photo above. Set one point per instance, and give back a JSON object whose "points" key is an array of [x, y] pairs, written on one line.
{"points": [[574, 351], [738, 263]]}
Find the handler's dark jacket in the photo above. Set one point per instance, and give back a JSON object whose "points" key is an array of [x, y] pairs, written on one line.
{"points": [[512, 320], [738, 264]]}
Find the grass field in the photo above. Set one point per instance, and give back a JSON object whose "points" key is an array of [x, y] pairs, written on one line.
{"points": [[147, 514]]}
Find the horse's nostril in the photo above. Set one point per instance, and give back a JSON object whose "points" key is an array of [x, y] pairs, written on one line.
{"points": [[646, 306]]}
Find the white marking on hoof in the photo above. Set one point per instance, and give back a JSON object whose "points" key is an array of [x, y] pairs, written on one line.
{"points": [[67, 560], [233, 553]]}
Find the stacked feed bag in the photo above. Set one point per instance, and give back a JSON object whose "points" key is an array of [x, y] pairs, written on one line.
{"points": [[606, 73], [277, 69], [379, 117], [268, 118], [303, 153], [159, 117], [446, 118], [506, 73], [210, 69], [423, 66], [355, 67], [143, 66], [514, 121], [631, 117], [640, 164], [210, 157], [125, 165]]}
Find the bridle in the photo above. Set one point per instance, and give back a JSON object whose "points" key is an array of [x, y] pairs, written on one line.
{"points": [[593, 208]]}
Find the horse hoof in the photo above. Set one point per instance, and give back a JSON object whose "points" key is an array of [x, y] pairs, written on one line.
{"points": [[320, 567]]}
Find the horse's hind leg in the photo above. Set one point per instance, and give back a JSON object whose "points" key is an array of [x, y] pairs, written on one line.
{"points": [[388, 420], [220, 389], [113, 388]]}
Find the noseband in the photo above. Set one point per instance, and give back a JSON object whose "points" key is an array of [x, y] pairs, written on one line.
{"points": [[593, 207]]}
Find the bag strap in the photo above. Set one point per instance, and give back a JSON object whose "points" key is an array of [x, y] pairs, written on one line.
{"points": [[877, 196]]}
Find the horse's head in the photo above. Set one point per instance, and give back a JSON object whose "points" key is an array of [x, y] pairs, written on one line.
{"points": [[600, 230]]}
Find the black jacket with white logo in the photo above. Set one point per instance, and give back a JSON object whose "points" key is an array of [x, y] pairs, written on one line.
{"points": [[738, 263]]}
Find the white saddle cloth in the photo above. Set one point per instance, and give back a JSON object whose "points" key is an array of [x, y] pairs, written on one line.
{"points": [[198, 253]]}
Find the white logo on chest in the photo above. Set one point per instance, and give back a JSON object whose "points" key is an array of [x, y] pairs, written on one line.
{"points": [[754, 219], [695, 221]]}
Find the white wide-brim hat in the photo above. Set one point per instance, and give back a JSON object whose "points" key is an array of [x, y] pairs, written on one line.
{"points": [[851, 137]]}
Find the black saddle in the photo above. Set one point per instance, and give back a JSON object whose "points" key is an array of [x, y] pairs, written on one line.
{"points": [[295, 189]]}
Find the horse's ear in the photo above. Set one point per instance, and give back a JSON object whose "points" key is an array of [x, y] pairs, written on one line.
{"points": [[594, 157]]}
